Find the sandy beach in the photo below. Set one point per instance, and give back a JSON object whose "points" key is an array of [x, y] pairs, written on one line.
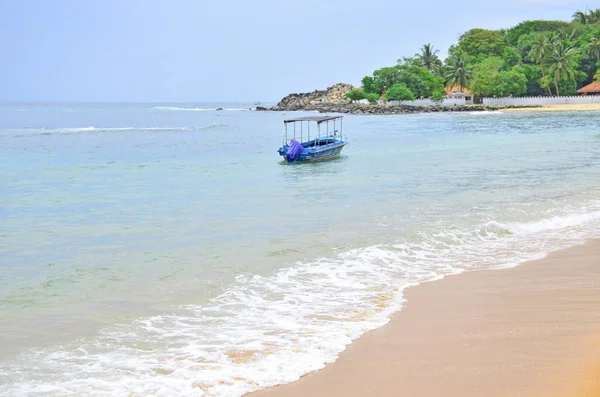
{"points": [[559, 108], [533, 330]]}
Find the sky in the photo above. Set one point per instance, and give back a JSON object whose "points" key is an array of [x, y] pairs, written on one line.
{"points": [[227, 50]]}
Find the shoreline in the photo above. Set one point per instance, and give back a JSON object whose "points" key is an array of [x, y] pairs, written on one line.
{"points": [[382, 109], [355, 108], [531, 330]]}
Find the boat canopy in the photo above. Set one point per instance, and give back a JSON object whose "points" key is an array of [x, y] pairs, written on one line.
{"points": [[308, 119], [318, 119]]}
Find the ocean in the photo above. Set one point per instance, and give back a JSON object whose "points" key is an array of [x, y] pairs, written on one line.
{"points": [[165, 249]]}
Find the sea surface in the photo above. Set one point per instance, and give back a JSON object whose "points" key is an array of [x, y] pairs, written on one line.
{"points": [[165, 249]]}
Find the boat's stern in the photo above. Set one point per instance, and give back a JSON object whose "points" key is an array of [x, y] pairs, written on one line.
{"points": [[291, 152], [283, 150]]}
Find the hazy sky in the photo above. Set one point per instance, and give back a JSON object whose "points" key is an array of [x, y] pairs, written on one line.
{"points": [[227, 50]]}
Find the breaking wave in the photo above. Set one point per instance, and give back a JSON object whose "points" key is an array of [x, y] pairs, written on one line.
{"points": [[25, 132], [175, 108], [484, 112], [263, 331]]}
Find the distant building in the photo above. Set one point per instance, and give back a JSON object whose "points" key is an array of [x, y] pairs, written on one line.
{"points": [[459, 93], [590, 89]]}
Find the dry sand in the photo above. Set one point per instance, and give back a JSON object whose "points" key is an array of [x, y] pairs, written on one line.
{"points": [[528, 331], [559, 108]]}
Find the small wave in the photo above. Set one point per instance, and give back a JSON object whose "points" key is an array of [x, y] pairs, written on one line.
{"points": [[174, 108], [82, 130], [484, 112], [563, 222]]}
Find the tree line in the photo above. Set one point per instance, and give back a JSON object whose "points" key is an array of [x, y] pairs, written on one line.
{"points": [[532, 58]]}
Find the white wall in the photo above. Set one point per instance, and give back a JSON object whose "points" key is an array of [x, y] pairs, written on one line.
{"points": [[541, 100]]}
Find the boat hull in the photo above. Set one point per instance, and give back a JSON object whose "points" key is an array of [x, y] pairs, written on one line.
{"points": [[323, 154], [313, 153]]}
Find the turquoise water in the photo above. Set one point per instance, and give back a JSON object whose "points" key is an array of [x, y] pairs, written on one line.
{"points": [[165, 249]]}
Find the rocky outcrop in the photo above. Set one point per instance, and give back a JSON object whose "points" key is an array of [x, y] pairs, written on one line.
{"points": [[333, 100], [334, 95]]}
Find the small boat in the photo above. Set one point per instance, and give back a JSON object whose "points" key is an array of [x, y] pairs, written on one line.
{"points": [[323, 146]]}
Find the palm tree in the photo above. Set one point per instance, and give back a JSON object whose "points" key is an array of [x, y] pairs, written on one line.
{"points": [[567, 33], [588, 17], [458, 72], [539, 51], [561, 62], [594, 45], [554, 37], [581, 17], [428, 58]]}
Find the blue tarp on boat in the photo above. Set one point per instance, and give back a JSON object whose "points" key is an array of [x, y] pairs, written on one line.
{"points": [[294, 151]]}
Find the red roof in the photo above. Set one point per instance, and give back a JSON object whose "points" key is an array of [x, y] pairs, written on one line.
{"points": [[457, 88], [594, 87]]}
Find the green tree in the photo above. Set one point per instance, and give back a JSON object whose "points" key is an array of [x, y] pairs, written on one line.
{"points": [[481, 43], [511, 83], [428, 58], [399, 92], [355, 95], [368, 84], [569, 86], [372, 97], [438, 96], [485, 75], [525, 44], [489, 79], [384, 78], [580, 17], [594, 45], [411, 61], [511, 57], [529, 27], [419, 80], [540, 49], [534, 76], [561, 63], [458, 72], [588, 17], [587, 44]]}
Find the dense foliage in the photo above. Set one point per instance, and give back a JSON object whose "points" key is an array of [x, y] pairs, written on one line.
{"points": [[399, 92], [531, 58], [357, 95]]}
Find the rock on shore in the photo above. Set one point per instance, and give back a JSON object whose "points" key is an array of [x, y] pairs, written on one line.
{"points": [[334, 95]]}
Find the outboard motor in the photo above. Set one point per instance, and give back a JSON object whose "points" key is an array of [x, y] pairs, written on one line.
{"points": [[294, 151]]}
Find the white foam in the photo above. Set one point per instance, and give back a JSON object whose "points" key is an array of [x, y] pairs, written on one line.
{"points": [[264, 331], [484, 112], [91, 129], [175, 108], [555, 223]]}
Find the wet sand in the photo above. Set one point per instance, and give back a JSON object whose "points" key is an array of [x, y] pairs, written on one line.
{"points": [[533, 330], [559, 108]]}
